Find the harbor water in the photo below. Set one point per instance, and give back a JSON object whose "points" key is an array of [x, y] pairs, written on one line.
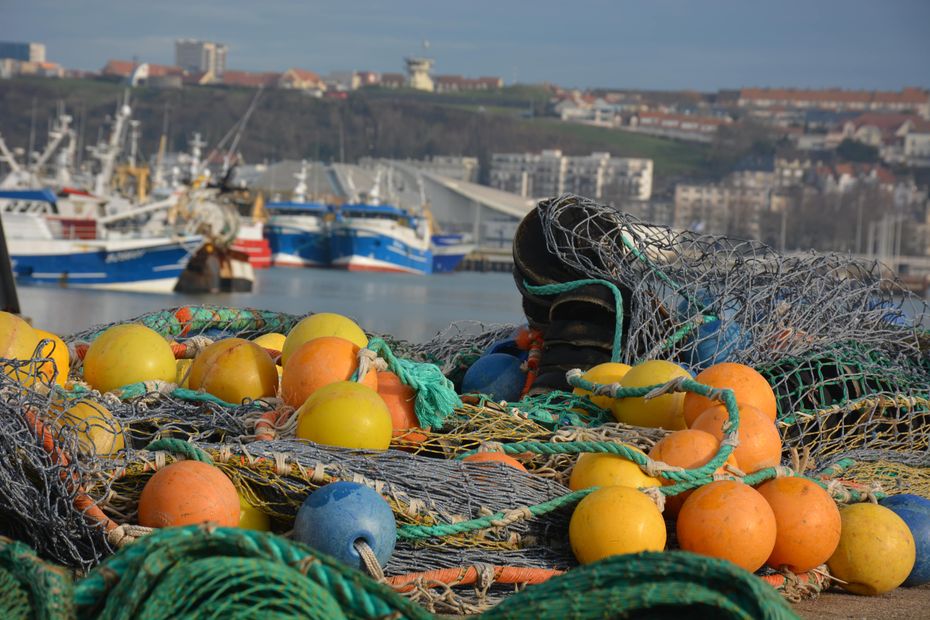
{"points": [[410, 307]]}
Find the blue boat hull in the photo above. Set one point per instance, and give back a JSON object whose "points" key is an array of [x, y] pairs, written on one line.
{"points": [[152, 266], [295, 247], [359, 251], [446, 263]]}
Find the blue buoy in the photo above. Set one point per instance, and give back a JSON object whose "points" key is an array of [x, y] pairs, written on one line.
{"points": [[713, 341], [333, 517], [497, 375], [915, 511], [506, 346]]}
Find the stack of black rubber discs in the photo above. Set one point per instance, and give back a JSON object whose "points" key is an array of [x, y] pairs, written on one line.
{"points": [[578, 325]]}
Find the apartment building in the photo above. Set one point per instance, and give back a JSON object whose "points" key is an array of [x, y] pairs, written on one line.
{"points": [[550, 173], [200, 56], [731, 207]]}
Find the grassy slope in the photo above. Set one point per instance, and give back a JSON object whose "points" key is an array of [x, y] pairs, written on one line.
{"points": [[377, 122]]}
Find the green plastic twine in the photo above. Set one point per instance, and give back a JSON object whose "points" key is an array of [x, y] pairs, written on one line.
{"points": [[180, 447], [436, 399], [555, 289]]}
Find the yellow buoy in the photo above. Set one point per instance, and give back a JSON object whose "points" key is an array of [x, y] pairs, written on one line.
{"points": [[345, 414], [613, 521], [322, 324], [876, 551], [233, 370], [604, 470], [272, 341], [251, 518], [18, 341], [126, 354], [606, 373], [663, 411], [98, 432], [61, 358]]}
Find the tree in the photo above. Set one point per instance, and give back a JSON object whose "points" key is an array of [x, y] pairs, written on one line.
{"points": [[853, 150]]}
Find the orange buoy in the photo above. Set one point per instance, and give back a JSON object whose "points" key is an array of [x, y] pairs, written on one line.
{"points": [[399, 399], [57, 350], [18, 341], [689, 449], [808, 523], [321, 325], [759, 442], [234, 369], [494, 457], [188, 493], [749, 387], [729, 520], [318, 363]]}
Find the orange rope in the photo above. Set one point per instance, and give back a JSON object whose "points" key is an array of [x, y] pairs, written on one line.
{"points": [[778, 580], [469, 575], [82, 501], [534, 340], [266, 427]]}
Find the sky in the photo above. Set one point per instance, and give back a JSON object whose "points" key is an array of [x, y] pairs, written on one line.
{"points": [[647, 44]]}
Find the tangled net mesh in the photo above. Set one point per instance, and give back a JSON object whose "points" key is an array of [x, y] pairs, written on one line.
{"points": [[841, 343]]}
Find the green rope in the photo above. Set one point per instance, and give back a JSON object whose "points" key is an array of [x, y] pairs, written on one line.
{"points": [[418, 532], [180, 447], [436, 399], [178, 572], [556, 289], [30, 588], [670, 584], [557, 409], [14, 600]]}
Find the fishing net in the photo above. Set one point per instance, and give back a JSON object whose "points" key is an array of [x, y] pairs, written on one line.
{"points": [[841, 344]]}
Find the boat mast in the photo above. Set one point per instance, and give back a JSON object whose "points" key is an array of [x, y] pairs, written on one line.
{"points": [[108, 152], [300, 191]]}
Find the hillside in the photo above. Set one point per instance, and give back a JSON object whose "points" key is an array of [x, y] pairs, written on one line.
{"points": [[379, 123]]}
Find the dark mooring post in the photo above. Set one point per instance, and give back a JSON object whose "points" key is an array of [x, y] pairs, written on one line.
{"points": [[9, 300]]}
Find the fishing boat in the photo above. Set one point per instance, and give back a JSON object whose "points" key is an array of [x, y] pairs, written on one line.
{"points": [[374, 235], [48, 248], [297, 234], [449, 250], [297, 230], [380, 237]]}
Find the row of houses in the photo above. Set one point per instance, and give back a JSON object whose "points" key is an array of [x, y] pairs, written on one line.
{"points": [[743, 201]]}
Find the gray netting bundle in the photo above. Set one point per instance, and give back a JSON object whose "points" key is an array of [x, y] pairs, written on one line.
{"points": [[847, 365], [840, 341]]}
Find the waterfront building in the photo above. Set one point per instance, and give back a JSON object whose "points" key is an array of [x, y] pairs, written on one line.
{"points": [[550, 173], [200, 56]]}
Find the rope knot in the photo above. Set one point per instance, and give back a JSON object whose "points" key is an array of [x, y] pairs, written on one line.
{"points": [[672, 386]]}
